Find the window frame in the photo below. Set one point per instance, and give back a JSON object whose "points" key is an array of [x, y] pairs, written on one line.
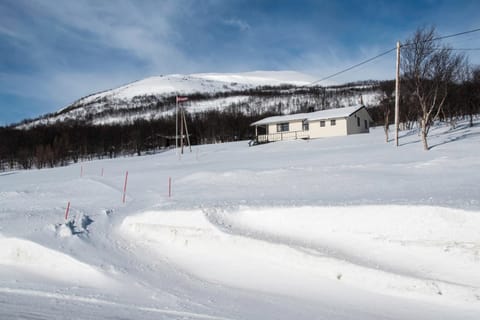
{"points": [[333, 122], [305, 125], [283, 127]]}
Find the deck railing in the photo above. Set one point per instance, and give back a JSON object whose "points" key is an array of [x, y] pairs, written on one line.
{"points": [[280, 136]]}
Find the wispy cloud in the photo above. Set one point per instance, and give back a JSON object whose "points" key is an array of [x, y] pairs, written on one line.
{"points": [[143, 31], [237, 23], [9, 33]]}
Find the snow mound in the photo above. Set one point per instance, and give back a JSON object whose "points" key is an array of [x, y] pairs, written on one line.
{"points": [[422, 252], [30, 257]]}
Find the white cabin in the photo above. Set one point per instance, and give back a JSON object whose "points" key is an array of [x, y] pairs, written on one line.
{"points": [[312, 125]]}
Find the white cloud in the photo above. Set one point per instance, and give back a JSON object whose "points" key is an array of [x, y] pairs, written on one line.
{"points": [[144, 31]]}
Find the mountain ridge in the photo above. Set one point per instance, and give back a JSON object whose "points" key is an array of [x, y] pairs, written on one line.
{"points": [[256, 91]]}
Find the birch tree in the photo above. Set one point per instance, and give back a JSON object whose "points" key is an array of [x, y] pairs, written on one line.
{"points": [[428, 67]]}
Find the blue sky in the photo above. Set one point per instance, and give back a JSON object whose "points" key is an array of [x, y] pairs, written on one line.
{"points": [[54, 52]]}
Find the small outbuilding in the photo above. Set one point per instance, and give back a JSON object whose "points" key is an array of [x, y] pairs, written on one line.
{"points": [[312, 125]]}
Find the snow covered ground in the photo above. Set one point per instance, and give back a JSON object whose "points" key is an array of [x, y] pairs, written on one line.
{"points": [[337, 228]]}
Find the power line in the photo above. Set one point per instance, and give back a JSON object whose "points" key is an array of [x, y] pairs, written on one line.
{"points": [[456, 34], [393, 49], [443, 37], [354, 66], [455, 49], [460, 49]]}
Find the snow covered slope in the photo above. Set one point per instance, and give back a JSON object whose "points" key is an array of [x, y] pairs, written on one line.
{"points": [[337, 228], [202, 82], [154, 97]]}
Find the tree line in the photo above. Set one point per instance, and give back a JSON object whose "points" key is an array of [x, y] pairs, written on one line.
{"points": [[72, 141]]}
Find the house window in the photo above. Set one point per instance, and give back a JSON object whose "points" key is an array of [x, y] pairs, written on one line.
{"points": [[322, 123], [282, 127], [358, 122], [333, 122], [305, 125], [366, 124]]}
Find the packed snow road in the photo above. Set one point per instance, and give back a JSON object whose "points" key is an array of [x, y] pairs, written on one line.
{"points": [[340, 228]]}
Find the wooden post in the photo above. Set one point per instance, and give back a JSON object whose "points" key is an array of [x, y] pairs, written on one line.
{"points": [[186, 129], [397, 93]]}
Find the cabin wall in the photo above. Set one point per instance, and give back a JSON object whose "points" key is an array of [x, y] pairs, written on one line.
{"points": [[352, 122], [339, 129]]}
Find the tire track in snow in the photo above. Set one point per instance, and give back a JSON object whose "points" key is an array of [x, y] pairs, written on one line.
{"points": [[212, 251], [226, 222], [97, 301]]}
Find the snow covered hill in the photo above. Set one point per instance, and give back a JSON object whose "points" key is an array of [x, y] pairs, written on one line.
{"points": [[338, 228], [154, 97], [178, 84]]}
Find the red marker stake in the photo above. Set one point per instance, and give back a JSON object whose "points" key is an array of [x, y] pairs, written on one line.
{"points": [[125, 187], [66, 211], [169, 187]]}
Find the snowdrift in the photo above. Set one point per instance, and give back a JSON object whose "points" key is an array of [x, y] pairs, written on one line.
{"points": [[423, 252], [32, 258]]}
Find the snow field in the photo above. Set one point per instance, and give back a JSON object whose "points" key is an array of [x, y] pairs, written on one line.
{"points": [[340, 228]]}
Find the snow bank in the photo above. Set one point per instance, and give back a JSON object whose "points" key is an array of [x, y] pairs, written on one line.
{"points": [[33, 258], [413, 252]]}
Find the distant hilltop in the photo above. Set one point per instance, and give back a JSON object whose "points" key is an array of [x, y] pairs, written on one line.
{"points": [[256, 91]]}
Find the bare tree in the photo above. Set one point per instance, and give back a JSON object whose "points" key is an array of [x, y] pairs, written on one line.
{"points": [[472, 93], [428, 68], [387, 104]]}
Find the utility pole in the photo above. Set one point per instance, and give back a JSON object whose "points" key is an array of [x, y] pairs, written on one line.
{"points": [[397, 93], [176, 124], [181, 130]]}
